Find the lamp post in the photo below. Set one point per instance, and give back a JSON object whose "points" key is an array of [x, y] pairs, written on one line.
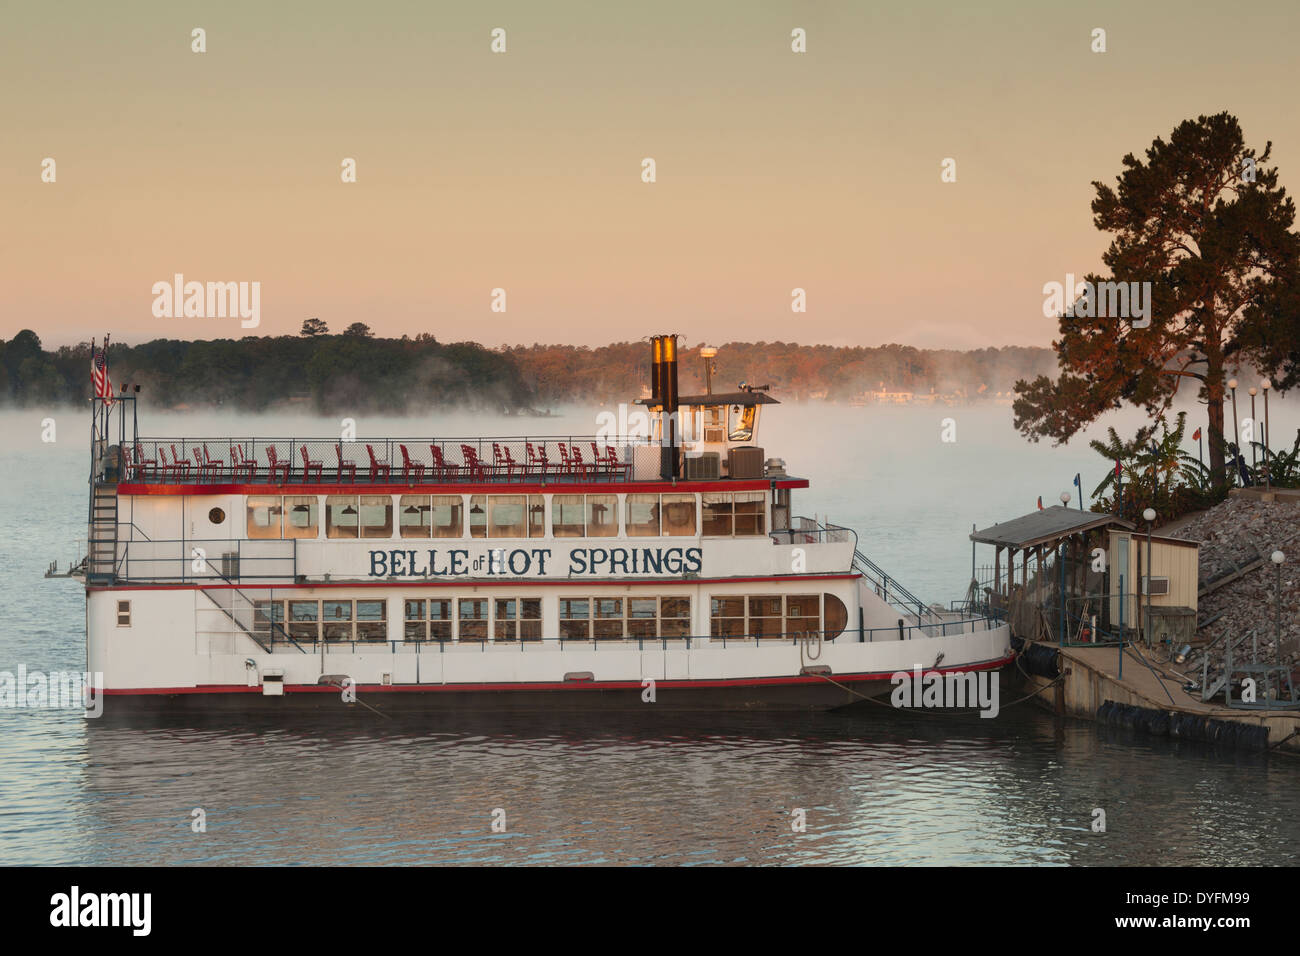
{"points": [[1277, 558], [1065, 503], [1266, 385], [1236, 433], [1150, 516], [1253, 392]]}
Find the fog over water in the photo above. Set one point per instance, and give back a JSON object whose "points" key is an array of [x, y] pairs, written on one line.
{"points": [[880, 787]]}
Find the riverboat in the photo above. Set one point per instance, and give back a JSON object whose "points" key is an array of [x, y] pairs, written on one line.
{"points": [[658, 567]]}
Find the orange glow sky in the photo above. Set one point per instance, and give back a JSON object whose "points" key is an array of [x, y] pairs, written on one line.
{"points": [[522, 170]]}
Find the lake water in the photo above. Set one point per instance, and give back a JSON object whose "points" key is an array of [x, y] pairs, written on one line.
{"points": [[876, 787]]}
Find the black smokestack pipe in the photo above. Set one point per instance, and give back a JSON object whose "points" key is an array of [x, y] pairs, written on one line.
{"points": [[668, 395], [656, 363]]}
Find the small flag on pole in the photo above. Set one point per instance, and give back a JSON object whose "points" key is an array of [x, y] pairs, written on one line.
{"points": [[1040, 502], [1196, 435], [99, 372], [1078, 483]]}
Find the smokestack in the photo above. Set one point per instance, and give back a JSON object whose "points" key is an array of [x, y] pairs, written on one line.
{"points": [[670, 373], [669, 467], [656, 363]]}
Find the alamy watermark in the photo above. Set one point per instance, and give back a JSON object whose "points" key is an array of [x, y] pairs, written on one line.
{"points": [[1118, 300], [59, 690], [935, 689], [179, 299]]}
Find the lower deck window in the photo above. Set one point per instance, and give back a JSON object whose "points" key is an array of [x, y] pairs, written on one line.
{"points": [[334, 620], [625, 618], [767, 616], [517, 619], [472, 619]]}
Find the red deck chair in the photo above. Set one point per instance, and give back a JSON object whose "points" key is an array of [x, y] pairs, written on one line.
{"points": [[308, 466], [275, 465], [472, 463], [241, 464], [200, 470], [566, 462], [215, 466], [180, 466], [378, 467], [409, 466], [441, 467], [350, 467], [537, 457], [142, 464], [616, 467], [501, 458], [580, 466]]}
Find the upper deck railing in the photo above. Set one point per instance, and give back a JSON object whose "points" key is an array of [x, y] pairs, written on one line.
{"points": [[556, 458]]}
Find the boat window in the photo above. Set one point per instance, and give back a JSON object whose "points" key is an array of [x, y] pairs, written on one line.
{"points": [[478, 516], [632, 618], [473, 619], [602, 516], [837, 617], [263, 516], [415, 626], [765, 616], [301, 516], [536, 516], [414, 518], [516, 619], [727, 617], [802, 614], [506, 516], [440, 619], [608, 624], [575, 619], [642, 615], [679, 514], [376, 516], [567, 516], [776, 616], [717, 509], [751, 507], [341, 516], [447, 516], [371, 621], [123, 613], [642, 516], [336, 616], [742, 422], [674, 617], [304, 620]]}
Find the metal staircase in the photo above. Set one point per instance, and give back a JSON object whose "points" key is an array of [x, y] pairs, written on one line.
{"points": [[892, 592], [101, 537]]}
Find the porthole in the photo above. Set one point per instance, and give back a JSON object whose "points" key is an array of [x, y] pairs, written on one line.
{"points": [[216, 516]]}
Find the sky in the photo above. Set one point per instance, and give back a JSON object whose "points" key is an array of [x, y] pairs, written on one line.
{"points": [[522, 170]]}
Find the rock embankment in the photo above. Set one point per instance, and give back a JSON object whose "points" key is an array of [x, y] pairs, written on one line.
{"points": [[1233, 535]]}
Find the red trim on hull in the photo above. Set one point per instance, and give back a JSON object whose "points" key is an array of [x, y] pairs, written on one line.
{"points": [[554, 685], [465, 487], [476, 582]]}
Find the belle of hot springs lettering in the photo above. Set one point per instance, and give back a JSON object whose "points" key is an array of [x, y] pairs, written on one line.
{"points": [[211, 300]]}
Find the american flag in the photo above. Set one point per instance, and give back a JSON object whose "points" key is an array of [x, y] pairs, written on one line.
{"points": [[99, 372]]}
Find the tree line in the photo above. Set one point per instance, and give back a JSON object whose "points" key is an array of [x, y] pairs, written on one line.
{"points": [[359, 371]]}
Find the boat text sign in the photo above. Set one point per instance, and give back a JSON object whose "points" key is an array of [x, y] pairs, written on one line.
{"points": [[532, 562]]}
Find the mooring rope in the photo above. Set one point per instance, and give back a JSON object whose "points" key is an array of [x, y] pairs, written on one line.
{"points": [[946, 712]]}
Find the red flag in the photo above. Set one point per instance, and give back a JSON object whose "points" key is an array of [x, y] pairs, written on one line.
{"points": [[1196, 435], [1040, 502]]}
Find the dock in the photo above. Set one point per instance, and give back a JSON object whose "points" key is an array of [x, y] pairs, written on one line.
{"points": [[1089, 677]]}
